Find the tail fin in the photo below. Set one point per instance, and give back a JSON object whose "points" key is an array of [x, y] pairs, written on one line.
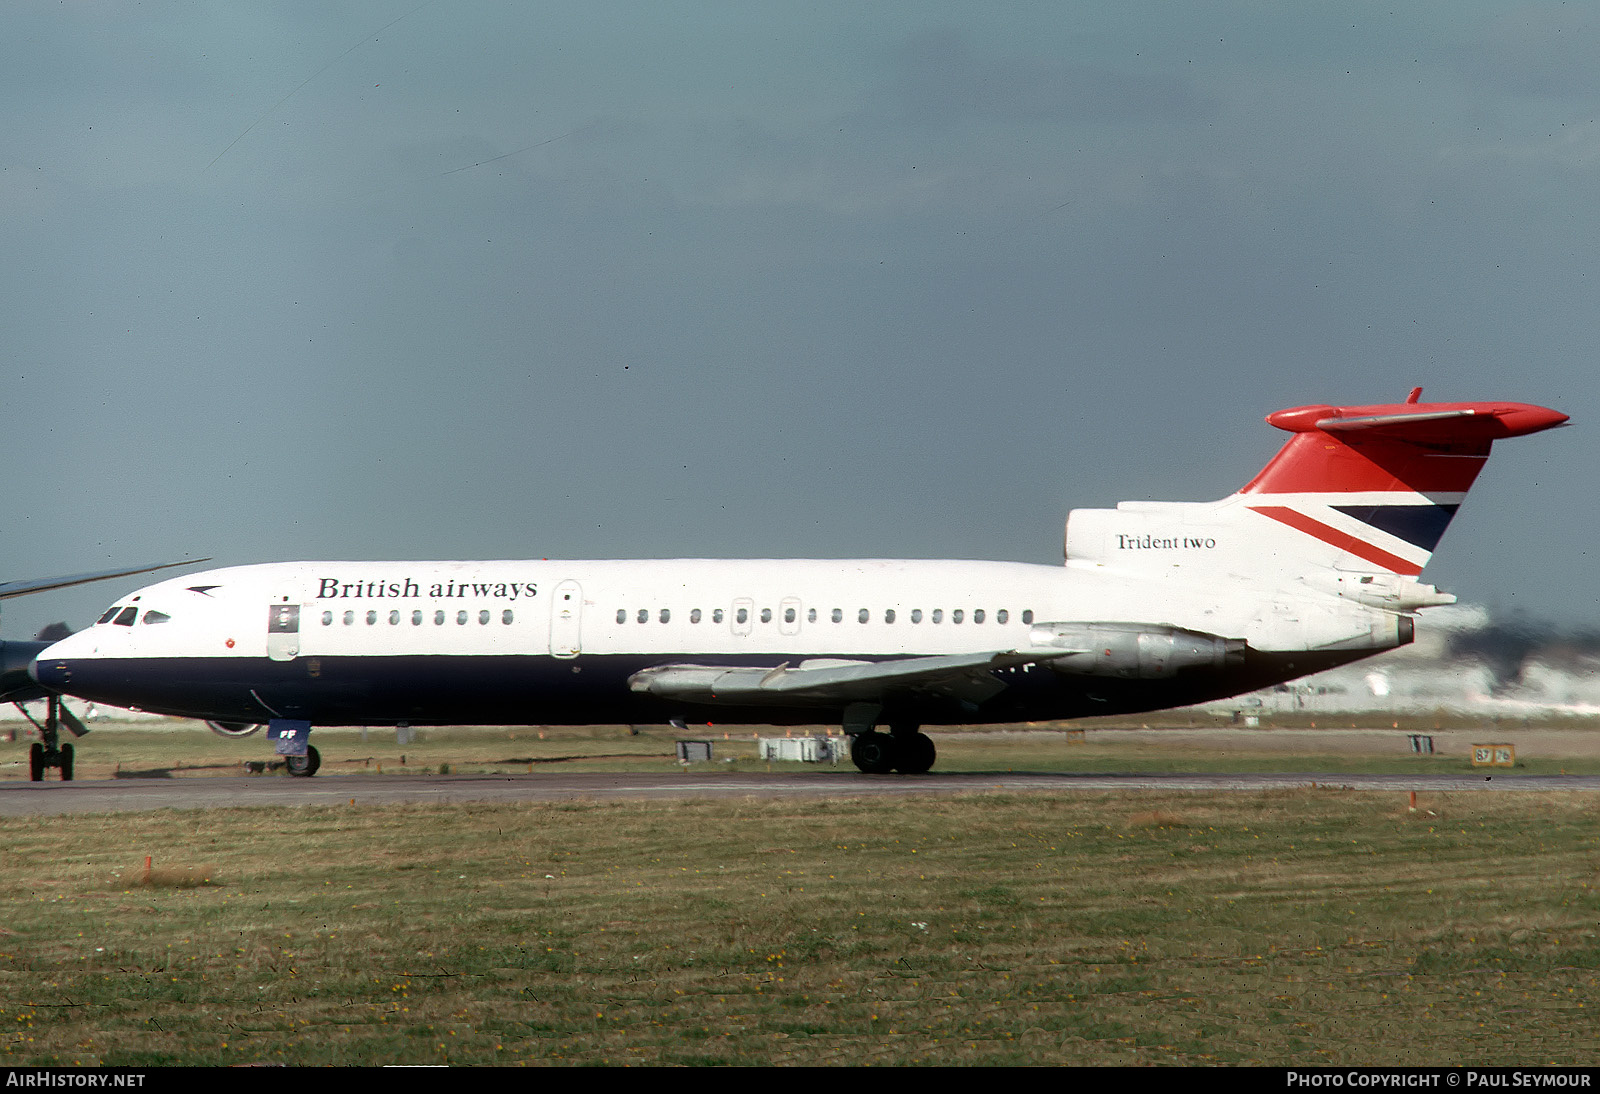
{"points": [[1365, 490]]}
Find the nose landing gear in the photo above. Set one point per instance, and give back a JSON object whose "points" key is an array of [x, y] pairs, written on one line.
{"points": [[304, 766], [50, 752]]}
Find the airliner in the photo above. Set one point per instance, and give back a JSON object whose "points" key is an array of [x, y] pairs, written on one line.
{"points": [[1314, 563]]}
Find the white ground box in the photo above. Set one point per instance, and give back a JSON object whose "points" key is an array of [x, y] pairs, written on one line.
{"points": [[810, 750]]}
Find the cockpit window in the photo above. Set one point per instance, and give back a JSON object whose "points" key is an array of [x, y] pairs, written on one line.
{"points": [[126, 616], [111, 611], [153, 616]]}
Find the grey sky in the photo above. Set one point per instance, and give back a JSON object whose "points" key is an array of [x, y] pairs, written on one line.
{"points": [[539, 280]]}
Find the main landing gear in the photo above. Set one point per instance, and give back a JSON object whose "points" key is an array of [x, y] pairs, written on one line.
{"points": [[905, 748], [50, 752]]}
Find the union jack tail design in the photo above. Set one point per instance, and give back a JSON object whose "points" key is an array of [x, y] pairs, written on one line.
{"points": [[1357, 500], [1373, 488]]}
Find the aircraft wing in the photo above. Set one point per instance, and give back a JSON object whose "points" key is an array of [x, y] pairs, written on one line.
{"points": [[9, 589], [830, 681]]}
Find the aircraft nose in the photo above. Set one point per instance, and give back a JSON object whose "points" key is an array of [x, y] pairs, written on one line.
{"points": [[50, 672], [49, 666]]}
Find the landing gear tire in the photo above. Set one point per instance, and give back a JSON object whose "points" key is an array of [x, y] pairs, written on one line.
{"points": [[36, 762], [873, 753], [304, 766], [914, 755], [66, 762]]}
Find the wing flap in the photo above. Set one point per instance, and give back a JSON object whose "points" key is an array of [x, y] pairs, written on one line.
{"points": [[829, 682]]}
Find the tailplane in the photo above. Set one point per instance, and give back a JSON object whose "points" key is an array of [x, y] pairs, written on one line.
{"points": [[1358, 498]]}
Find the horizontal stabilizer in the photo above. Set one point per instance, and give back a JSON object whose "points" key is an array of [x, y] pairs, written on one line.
{"points": [[1428, 423]]}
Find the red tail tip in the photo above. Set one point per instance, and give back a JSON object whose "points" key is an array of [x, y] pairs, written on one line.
{"points": [[1485, 420]]}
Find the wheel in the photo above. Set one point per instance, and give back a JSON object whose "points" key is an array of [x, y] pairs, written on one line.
{"points": [[915, 754], [66, 762], [36, 762], [873, 753], [304, 766]]}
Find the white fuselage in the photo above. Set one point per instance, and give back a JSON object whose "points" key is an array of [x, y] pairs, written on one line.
{"points": [[558, 641]]}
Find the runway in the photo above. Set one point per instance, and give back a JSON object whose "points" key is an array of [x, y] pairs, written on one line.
{"points": [[238, 792]]}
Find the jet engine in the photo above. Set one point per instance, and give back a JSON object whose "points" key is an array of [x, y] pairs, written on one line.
{"points": [[1134, 651], [233, 729]]}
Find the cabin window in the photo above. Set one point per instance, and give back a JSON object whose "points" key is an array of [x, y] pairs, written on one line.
{"points": [[838, 615], [461, 619], [766, 615], [416, 618], [372, 618], [126, 616], [1027, 616], [788, 615], [716, 615], [483, 617], [153, 616], [506, 617], [1002, 616], [394, 618], [644, 615], [888, 615], [863, 615], [916, 615], [622, 615], [665, 615], [327, 618], [694, 615], [438, 618], [349, 618], [811, 616], [743, 616], [977, 615], [938, 615], [956, 616]]}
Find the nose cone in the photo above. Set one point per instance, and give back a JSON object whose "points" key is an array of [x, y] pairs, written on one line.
{"points": [[50, 666], [51, 674]]}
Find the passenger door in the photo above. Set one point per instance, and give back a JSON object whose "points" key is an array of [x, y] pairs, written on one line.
{"points": [[283, 631], [566, 620]]}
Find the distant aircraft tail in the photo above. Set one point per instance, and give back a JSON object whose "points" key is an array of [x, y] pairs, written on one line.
{"points": [[1358, 499]]}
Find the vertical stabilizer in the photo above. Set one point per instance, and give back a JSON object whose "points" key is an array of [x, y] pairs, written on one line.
{"points": [[1373, 488], [1359, 496]]}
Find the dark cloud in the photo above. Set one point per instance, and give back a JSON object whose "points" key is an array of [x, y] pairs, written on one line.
{"points": [[908, 280]]}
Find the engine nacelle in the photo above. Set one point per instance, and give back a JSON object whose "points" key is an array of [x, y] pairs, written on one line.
{"points": [[233, 729], [1134, 651]]}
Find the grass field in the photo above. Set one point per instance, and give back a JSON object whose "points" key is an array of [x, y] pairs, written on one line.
{"points": [[186, 749], [1281, 928]]}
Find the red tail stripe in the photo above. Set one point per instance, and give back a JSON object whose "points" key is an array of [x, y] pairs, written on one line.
{"points": [[1316, 463], [1332, 536]]}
